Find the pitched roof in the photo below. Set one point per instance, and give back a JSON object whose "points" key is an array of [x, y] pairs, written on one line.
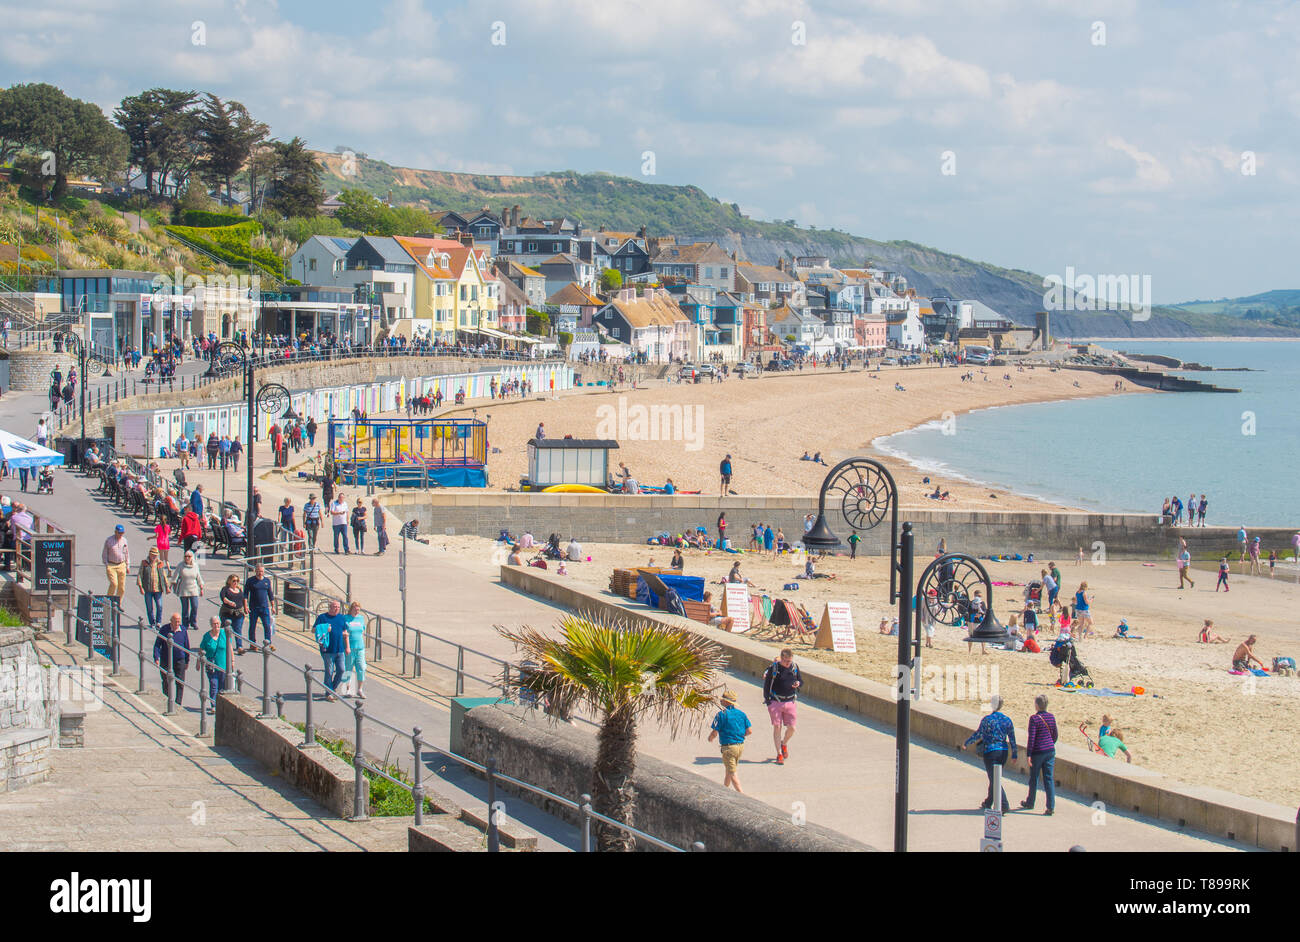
{"points": [[574, 294], [658, 311], [564, 258], [762, 274], [419, 249], [693, 254], [388, 248]]}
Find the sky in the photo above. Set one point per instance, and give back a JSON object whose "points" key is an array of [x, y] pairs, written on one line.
{"points": [[1105, 136]]}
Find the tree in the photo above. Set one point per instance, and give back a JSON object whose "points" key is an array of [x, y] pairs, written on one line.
{"points": [[621, 672], [162, 128], [259, 172], [229, 135], [296, 179], [361, 211], [74, 133], [611, 279], [537, 322]]}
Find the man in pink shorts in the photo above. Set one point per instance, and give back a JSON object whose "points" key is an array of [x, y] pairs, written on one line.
{"points": [[780, 685]]}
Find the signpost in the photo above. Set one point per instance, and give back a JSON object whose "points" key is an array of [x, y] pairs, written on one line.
{"points": [[835, 632], [992, 840]]}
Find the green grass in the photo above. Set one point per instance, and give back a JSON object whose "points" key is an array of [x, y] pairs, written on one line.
{"points": [[386, 799], [10, 619]]}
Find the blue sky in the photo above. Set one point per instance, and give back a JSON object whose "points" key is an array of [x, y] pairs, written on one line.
{"points": [[1122, 157]]}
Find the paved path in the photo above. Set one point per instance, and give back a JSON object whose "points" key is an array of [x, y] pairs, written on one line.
{"points": [[143, 783]]}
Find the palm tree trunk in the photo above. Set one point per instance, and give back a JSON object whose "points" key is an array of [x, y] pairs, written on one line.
{"points": [[612, 792]]}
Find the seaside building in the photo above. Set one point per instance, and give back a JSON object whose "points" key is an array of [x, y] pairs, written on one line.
{"points": [[652, 325]]}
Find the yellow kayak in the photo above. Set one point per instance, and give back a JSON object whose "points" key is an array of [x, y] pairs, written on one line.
{"points": [[573, 489]]}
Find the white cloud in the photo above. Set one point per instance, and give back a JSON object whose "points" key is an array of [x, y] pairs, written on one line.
{"points": [[1148, 172]]}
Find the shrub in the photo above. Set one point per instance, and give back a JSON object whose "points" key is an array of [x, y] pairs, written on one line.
{"points": [[205, 219]]}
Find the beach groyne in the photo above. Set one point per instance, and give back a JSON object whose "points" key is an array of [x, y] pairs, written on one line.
{"points": [[1120, 788], [615, 518]]}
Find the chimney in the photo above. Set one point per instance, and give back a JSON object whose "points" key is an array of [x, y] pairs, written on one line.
{"points": [[780, 263], [640, 233], [733, 257], [514, 216], [466, 239]]}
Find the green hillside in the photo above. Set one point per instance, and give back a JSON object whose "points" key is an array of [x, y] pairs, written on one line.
{"points": [[624, 204]]}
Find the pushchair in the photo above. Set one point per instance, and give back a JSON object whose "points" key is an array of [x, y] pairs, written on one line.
{"points": [[1034, 595], [552, 548], [45, 481], [1064, 655]]}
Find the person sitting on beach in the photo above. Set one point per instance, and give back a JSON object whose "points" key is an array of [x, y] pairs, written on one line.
{"points": [[716, 618], [678, 561], [899, 387], [805, 457], [975, 617], [526, 540], [1121, 631], [516, 557], [574, 550], [1109, 739], [817, 457], [1244, 654], [1208, 636], [937, 495], [735, 577], [669, 488], [888, 627]]}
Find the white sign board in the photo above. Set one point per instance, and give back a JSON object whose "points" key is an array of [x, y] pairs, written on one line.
{"points": [[835, 632], [735, 604]]}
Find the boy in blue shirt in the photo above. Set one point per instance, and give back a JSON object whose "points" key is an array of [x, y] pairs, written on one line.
{"points": [[730, 727]]}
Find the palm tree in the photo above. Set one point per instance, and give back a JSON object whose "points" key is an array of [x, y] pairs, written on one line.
{"points": [[621, 671]]}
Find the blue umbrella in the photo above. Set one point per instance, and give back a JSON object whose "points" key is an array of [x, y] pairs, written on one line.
{"points": [[20, 453]]}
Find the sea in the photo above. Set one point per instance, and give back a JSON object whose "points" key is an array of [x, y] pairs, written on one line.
{"points": [[1126, 453]]}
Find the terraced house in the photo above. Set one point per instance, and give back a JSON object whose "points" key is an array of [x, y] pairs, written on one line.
{"points": [[461, 292], [700, 263]]}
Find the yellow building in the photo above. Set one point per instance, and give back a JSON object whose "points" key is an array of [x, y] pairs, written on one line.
{"points": [[456, 297]]}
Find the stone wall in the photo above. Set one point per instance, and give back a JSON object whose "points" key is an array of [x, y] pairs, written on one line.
{"points": [[674, 805], [26, 712], [278, 746], [29, 370], [627, 519]]}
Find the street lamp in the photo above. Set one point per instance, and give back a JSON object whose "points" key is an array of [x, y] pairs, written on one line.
{"points": [[75, 345], [865, 490]]}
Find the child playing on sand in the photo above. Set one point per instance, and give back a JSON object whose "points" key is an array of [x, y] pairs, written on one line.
{"points": [[1207, 635], [1065, 620], [1272, 563]]}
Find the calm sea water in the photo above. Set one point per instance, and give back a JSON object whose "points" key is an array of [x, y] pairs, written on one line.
{"points": [[1127, 453]]}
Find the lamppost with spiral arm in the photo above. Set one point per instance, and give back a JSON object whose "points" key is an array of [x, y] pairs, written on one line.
{"points": [[865, 490], [73, 343], [242, 356]]}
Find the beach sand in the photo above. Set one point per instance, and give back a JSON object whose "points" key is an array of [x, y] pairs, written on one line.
{"points": [[1197, 722], [766, 424]]}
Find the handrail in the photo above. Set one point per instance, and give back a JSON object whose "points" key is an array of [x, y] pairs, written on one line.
{"points": [[234, 681]]}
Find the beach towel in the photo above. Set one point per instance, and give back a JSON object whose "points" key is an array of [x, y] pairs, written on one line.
{"points": [[1259, 672], [1099, 691], [790, 586]]}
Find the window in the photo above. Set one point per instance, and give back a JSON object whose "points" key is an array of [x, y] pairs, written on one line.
{"points": [[311, 265], [722, 272], [463, 293], [532, 246]]}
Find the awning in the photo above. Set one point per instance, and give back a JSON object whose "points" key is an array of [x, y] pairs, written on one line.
{"points": [[20, 453]]}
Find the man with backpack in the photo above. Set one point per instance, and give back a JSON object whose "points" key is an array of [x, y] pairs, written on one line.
{"points": [[780, 692]]}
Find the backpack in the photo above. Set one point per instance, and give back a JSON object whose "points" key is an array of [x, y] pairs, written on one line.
{"points": [[675, 603], [1058, 653]]}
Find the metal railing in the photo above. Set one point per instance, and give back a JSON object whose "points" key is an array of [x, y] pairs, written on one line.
{"points": [[233, 681]]}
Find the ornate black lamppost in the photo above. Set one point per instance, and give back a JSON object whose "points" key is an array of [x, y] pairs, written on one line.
{"points": [[74, 345], [864, 490]]}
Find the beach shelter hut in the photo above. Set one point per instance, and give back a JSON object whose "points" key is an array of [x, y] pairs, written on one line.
{"points": [[20, 453]]}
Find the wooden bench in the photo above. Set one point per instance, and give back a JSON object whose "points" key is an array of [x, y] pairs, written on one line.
{"points": [[696, 611]]}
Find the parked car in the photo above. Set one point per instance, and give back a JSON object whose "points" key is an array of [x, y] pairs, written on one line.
{"points": [[889, 361], [744, 368]]}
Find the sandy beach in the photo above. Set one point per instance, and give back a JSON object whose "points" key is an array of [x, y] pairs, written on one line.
{"points": [[1197, 722], [766, 424]]}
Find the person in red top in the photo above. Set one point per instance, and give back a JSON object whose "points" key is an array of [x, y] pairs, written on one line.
{"points": [[191, 530]]}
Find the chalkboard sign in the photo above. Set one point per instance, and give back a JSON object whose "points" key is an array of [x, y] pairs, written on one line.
{"points": [[52, 568], [95, 612]]}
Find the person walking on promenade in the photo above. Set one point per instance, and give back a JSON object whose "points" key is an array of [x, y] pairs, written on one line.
{"points": [[191, 529], [196, 499], [213, 449], [213, 648], [1184, 568], [781, 685], [180, 655], [730, 727], [152, 580], [321, 628], [381, 526], [234, 608], [287, 515], [359, 525], [724, 470], [162, 536], [327, 485], [117, 559], [1243, 541], [259, 593], [236, 449], [994, 734], [356, 662], [188, 583], [1200, 511], [1223, 575], [311, 433], [339, 519], [311, 519], [1041, 749]]}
